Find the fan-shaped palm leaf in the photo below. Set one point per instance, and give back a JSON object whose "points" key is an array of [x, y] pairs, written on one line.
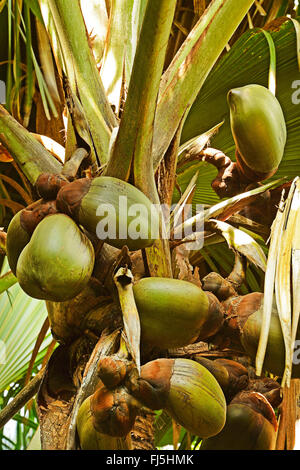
{"points": [[21, 319]]}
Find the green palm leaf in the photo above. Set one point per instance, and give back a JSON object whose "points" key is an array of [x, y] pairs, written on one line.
{"points": [[21, 319], [247, 62]]}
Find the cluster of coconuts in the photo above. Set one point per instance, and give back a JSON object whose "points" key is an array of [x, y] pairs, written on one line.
{"points": [[50, 252], [48, 246], [214, 400], [243, 322], [162, 384], [53, 259]]}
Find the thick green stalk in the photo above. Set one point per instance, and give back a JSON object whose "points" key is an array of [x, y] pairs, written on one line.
{"points": [[133, 27], [133, 147], [30, 155], [17, 59], [82, 72], [188, 71], [134, 140], [9, 83]]}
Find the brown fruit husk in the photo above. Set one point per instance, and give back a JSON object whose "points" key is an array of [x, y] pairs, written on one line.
{"points": [[32, 215], [113, 411], [48, 185], [90, 439], [70, 196], [231, 375], [113, 370]]}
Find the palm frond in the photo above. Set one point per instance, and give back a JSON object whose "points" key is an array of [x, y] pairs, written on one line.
{"points": [[21, 319], [247, 62]]}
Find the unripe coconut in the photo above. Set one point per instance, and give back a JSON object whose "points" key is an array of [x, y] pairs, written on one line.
{"points": [[174, 313], [17, 238], [250, 425], [259, 130], [274, 361], [22, 226], [89, 438], [58, 261], [184, 388], [117, 212]]}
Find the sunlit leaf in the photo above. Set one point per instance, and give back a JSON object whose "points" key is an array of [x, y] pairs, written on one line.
{"points": [[282, 276], [243, 243], [247, 62], [21, 319]]}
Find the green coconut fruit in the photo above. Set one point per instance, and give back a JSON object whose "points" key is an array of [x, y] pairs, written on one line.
{"points": [[111, 209], [186, 390], [174, 313], [250, 425], [259, 130], [58, 261], [17, 238], [22, 226], [89, 438], [274, 361]]}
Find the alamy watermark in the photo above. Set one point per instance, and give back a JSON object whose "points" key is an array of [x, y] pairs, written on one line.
{"points": [[296, 94], [296, 354], [138, 221]]}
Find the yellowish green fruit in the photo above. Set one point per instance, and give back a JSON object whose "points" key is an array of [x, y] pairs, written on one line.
{"points": [[259, 130], [196, 400], [172, 312], [90, 439], [184, 388], [245, 429], [274, 361], [111, 209], [17, 238], [58, 261]]}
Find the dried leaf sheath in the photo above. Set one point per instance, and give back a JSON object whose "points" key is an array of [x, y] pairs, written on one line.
{"points": [[123, 280]]}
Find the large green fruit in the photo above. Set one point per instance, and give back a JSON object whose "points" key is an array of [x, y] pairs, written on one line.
{"points": [[196, 400], [259, 130], [22, 226], [247, 428], [17, 238], [186, 390], [274, 361], [173, 312], [115, 211], [57, 262], [90, 439]]}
